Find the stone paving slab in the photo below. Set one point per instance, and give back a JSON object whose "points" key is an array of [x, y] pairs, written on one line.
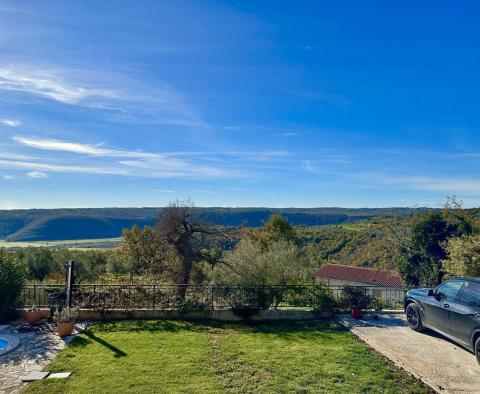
{"points": [[34, 375], [441, 364], [59, 375]]}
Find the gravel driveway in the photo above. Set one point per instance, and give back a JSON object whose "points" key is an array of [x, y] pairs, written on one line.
{"points": [[441, 364]]}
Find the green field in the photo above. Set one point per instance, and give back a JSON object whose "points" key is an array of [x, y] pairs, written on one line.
{"points": [[183, 357], [101, 243]]}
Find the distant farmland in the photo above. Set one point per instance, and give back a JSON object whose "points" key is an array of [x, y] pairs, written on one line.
{"points": [[81, 244]]}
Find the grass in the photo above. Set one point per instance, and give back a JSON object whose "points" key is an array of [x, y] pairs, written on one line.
{"points": [[80, 244], [183, 357]]}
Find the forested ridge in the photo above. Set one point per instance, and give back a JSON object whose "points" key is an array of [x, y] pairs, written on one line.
{"points": [[84, 223]]}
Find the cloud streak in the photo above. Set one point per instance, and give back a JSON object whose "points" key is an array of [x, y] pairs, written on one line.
{"points": [[10, 122], [48, 85], [73, 147], [123, 99], [432, 184], [36, 174], [98, 159]]}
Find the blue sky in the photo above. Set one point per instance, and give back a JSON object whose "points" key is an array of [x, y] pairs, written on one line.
{"points": [[239, 103]]}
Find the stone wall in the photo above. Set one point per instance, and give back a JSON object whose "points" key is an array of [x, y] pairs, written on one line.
{"points": [[221, 315]]}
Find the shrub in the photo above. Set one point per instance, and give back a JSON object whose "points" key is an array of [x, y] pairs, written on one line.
{"points": [[252, 298], [355, 297], [377, 304], [318, 298], [12, 279], [324, 300], [190, 305]]}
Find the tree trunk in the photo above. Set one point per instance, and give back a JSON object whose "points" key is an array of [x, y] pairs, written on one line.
{"points": [[187, 265]]}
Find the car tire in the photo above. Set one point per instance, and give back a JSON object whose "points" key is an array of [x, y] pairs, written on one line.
{"points": [[414, 319], [476, 348]]}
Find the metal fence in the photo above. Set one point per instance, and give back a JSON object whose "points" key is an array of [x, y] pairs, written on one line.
{"points": [[198, 297]]}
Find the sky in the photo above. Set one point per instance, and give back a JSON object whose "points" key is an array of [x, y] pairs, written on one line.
{"points": [[239, 103]]}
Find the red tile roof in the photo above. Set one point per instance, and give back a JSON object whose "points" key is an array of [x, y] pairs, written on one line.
{"points": [[357, 274]]}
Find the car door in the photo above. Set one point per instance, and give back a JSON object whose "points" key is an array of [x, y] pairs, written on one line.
{"points": [[437, 307], [465, 312]]}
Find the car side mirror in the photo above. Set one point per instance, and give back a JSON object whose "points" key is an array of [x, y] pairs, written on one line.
{"points": [[430, 293]]}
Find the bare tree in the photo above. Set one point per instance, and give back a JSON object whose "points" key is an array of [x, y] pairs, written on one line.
{"points": [[192, 238]]}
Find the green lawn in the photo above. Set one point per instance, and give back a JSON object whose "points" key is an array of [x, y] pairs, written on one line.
{"points": [[178, 356]]}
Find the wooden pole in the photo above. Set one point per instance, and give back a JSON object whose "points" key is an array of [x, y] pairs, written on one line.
{"points": [[70, 280]]}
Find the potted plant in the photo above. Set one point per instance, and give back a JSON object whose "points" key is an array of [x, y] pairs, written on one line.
{"points": [[33, 315], [355, 299], [66, 319]]}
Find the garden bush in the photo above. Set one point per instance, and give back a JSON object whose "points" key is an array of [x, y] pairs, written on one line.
{"points": [[355, 297], [12, 279], [317, 298]]}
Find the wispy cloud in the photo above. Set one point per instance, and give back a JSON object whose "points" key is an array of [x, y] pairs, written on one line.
{"points": [[26, 165], [8, 177], [99, 159], [161, 191], [49, 85], [17, 156], [433, 184], [10, 122], [122, 98], [159, 157], [36, 174], [74, 147]]}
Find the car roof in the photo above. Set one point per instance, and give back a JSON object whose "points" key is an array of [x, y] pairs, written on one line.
{"points": [[476, 280]]}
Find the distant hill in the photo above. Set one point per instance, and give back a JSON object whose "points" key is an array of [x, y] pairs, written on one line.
{"points": [[91, 223]]}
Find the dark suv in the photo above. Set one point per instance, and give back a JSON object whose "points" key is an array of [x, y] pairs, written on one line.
{"points": [[452, 309]]}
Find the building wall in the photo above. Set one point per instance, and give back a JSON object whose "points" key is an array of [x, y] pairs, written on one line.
{"points": [[389, 295]]}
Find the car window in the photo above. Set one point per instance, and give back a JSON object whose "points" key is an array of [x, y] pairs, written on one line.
{"points": [[471, 294], [448, 290]]}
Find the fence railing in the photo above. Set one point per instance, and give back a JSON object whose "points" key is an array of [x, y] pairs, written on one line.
{"points": [[198, 297]]}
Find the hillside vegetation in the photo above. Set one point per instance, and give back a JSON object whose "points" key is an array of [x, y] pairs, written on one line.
{"points": [[422, 247], [77, 224]]}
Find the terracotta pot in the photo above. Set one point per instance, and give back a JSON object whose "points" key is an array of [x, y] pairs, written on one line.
{"points": [[33, 317], [357, 313], [65, 329]]}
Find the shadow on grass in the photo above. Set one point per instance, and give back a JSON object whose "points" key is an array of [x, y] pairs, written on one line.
{"points": [[116, 351], [155, 326]]}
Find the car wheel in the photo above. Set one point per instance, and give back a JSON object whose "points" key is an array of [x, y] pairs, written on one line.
{"points": [[413, 317], [477, 349]]}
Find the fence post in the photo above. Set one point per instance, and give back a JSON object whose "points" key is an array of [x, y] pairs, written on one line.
{"points": [[213, 304], [70, 279], [34, 295], [154, 296]]}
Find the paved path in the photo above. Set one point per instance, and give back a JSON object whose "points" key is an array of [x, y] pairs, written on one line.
{"points": [[441, 364], [39, 344]]}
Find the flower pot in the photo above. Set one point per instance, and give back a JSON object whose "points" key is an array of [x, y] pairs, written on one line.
{"points": [[33, 317], [357, 313], [65, 329]]}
